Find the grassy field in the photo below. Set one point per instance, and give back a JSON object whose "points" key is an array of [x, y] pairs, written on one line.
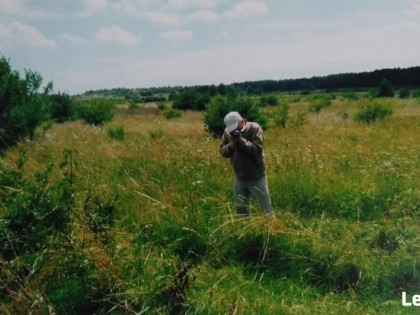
{"points": [[153, 226]]}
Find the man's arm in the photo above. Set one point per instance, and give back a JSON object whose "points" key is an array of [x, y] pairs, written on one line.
{"points": [[226, 149], [254, 146]]}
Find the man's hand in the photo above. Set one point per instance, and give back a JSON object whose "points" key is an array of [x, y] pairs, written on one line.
{"points": [[235, 138]]}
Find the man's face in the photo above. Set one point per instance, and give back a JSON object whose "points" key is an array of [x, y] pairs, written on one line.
{"points": [[240, 125]]}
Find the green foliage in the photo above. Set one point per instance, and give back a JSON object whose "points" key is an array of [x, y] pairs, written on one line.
{"points": [[95, 111], [161, 106], [385, 89], [219, 106], [298, 120], [62, 107], [371, 111], [156, 133], [319, 102], [281, 116], [404, 93], [171, 113], [268, 100], [100, 216], [350, 95], [22, 106], [35, 210], [116, 132], [190, 99]]}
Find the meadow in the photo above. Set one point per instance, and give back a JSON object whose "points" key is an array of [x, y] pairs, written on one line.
{"points": [[152, 225]]}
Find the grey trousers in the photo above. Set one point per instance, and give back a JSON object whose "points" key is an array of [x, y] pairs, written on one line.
{"points": [[258, 189]]}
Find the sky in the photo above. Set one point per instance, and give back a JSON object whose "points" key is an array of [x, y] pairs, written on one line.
{"points": [[83, 45]]}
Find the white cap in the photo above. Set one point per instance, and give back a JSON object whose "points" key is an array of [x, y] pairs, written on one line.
{"points": [[231, 120]]}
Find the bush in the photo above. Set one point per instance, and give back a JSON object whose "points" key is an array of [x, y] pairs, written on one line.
{"points": [[171, 113], [404, 93], [298, 120], [220, 105], [370, 111], [270, 100], [22, 107], [116, 133], [35, 211], [350, 95], [95, 111], [62, 107], [281, 117], [385, 89], [319, 103], [161, 106], [190, 99], [156, 133]]}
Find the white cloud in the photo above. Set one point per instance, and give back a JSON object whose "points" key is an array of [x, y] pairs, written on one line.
{"points": [[117, 35], [204, 16], [414, 11], [19, 8], [182, 4], [160, 17], [11, 6], [91, 6], [74, 40], [22, 34], [178, 35], [136, 8], [246, 9]]}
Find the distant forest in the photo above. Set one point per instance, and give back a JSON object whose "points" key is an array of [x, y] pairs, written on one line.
{"points": [[406, 77]]}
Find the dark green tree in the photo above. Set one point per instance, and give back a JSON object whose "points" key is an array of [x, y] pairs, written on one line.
{"points": [[62, 107], [23, 107], [191, 99], [385, 89], [220, 105], [95, 111]]}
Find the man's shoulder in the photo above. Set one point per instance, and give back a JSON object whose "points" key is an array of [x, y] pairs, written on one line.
{"points": [[252, 125]]}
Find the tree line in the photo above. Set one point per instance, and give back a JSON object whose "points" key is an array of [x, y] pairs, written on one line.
{"points": [[397, 77]]}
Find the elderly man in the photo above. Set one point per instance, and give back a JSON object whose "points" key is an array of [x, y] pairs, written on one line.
{"points": [[242, 142]]}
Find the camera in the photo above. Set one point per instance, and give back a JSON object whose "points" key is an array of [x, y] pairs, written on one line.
{"points": [[235, 133]]}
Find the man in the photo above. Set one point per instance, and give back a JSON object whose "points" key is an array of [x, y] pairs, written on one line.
{"points": [[242, 142]]}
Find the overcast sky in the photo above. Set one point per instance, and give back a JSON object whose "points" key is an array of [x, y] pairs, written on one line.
{"points": [[92, 44]]}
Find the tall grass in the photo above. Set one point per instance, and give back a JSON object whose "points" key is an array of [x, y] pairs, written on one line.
{"points": [[154, 227]]}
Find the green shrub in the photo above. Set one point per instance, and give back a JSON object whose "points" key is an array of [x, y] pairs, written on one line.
{"points": [[350, 95], [116, 133], [385, 89], [22, 106], [171, 113], [133, 106], [371, 111], [100, 216], [62, 107], [190, 99], [404, 93], [95, 111], [220, 105], [156, 133], [35, 211], [268, 100], [298, 120], [161, 106], [318, 104], [281, 116]]}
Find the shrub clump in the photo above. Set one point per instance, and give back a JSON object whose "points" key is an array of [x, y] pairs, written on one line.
{"points": [[116, 133], [95, 111], [220, 105], [371, 111], [171, 113], [385, 89]]}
